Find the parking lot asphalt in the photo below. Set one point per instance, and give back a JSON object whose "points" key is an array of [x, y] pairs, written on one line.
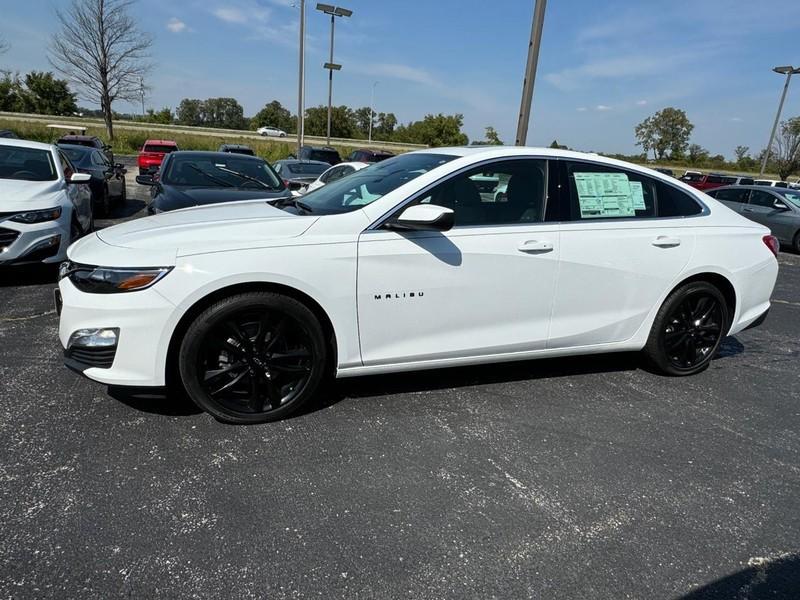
{"points": [[564, 478]]}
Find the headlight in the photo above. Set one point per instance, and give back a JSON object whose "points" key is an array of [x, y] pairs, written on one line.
{"points": [[111, 280], [38, 216]]}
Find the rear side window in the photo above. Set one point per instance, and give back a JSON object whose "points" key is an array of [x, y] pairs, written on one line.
{"points": [[602, 192], [730, 195]]}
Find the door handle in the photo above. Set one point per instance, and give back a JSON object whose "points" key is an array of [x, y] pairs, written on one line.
{"points": [[664, 241], [534, 246], [748, 210]]}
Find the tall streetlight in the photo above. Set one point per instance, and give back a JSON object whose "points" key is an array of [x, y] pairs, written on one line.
{"points": [[301, 79], [788, 71], [530, 72], [333, 11], [141, 91], [372, 110]]}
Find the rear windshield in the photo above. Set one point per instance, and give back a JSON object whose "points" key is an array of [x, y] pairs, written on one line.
{"points": [[74, 154], [79, 142], [307, 168], [27, 164], [246, 151], [160, 148], [323, 155]]}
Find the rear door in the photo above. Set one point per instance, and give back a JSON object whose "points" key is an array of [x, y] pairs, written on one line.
{"points": [[733, 198], [624, 240]]}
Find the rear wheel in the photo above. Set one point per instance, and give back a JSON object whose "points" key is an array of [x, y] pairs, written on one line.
{"points": [[104, 202], [252, 358], [796, 242], [688, 329]]}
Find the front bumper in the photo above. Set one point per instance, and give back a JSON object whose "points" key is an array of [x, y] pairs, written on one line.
{"points": [[140, 318], [40, 242]]}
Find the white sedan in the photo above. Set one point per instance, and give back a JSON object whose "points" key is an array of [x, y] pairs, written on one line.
{"points": [[44, 204], [334, 173], [414, 264], [271, 131]]}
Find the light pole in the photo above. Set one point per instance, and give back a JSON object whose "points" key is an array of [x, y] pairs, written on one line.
{"points": [[372, 110], [530, 72], [141, 91], [333, 11], [788, 71], [301, 79]]}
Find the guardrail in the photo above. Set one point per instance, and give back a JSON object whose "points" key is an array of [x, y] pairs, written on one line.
{"points": [[209, 131]]}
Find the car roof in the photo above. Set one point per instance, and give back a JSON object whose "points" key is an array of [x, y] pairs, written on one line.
{"points": [[287, 161], [86, 149], [26, 144], [326, 148], [71, 136], [205, 154], [767, 188], [351, 163], [162, 142]]}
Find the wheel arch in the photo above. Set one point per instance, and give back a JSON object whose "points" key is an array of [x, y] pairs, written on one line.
{"points": [[718, 280], [171, 365]]}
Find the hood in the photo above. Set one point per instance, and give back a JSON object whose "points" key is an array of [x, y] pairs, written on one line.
{"points": [[18, 195], [215, 227], [172, 197]]}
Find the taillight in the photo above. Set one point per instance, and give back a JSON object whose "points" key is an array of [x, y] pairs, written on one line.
{"points": [[772, 243]]}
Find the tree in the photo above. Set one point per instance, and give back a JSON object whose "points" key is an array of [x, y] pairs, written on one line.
{"points": [[11, 93], [492, 138], [190, 112], [44, 94], [225, 113], [741, 153], [100, 48], [786, 149], [275, 115], [343, 123], [385, 127], [557, 146], [363, 116], [666, 133], [434, 130], [697, 154], [163, 116]]}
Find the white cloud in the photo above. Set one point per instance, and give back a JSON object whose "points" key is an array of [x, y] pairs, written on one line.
{"points": [[394, 71], [641, 102], [230, 14], [602, 107], [582, 109], [176, 25], [737, 119]]}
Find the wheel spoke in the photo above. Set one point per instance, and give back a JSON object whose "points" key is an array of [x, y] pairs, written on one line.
{"points": [[291, 368], [214, 373], [276, 334], [229, 384], [274, 394], [675, 343]]}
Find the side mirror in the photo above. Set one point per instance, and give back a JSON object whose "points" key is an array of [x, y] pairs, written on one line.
{"points": [[778, 205], [120, 168], [426, 217], [80, 178], [145, 180]]}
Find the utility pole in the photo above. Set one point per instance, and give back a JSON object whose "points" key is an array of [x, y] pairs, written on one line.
{"points": [[301, 79], [530, 72], [372, 110], [141, 91], [788, 71], [333, 11]]}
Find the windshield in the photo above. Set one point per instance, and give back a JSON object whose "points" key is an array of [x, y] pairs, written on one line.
{"points": [[222, 171], [367, 185], [28, 164], [793, 197], [307, 168]]}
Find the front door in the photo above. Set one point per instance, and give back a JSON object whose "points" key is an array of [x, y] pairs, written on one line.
{"points": [[483, 288]]}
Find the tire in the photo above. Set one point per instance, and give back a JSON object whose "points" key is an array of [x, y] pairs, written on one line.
{"points": [[253, 357], [75, 231], [123, 197], [104, 205], [688, 329], [796, 242]]}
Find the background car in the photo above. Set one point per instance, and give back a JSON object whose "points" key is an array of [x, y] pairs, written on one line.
{"points": [[369, 156], [297, 174], [324, 154], [7, 133], [90, 141], [665, 171], [271, 131], [107, 180], [334, 173], [196, 178], [45, 204], [708, 182], [775, 207], [152, 155], [237, 149], [771, 183]]}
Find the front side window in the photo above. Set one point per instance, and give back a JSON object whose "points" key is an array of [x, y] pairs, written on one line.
{"points": [[605, 192], [765, 199], [29, 164], [367, 185], [502, 193]]}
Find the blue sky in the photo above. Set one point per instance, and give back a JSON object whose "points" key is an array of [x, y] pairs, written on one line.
{"points": [[604, 65]]}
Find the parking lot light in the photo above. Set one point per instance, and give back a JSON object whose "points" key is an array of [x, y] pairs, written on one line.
{"points": [[788, 71], [333, 11]]}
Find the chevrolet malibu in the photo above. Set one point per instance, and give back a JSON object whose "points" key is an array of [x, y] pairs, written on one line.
{"points": [[413, 263]]}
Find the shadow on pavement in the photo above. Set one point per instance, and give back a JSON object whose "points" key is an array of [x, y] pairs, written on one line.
{"points": [[776, 579], [28, 275], [155, 401]]}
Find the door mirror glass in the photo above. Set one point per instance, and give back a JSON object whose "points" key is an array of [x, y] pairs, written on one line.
{"points": [[425, 217], [145, 180], [79, 178], [780, 205]]}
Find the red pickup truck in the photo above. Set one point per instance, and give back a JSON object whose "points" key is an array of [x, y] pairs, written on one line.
{"points": [[708, 182], [152, 154]]}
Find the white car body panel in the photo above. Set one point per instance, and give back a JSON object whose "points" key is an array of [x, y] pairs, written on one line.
{"points": [[322, 179], [19, 196], [490, 293]]}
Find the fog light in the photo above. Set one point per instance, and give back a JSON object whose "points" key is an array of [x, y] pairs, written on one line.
{"points": [[94, 338]]}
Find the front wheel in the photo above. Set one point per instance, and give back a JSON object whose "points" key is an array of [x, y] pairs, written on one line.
{"points": [[253, 357], [688, 329]]}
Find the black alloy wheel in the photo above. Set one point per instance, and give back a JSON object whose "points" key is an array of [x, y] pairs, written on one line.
{"points": [[253, 357], [688, 329]]}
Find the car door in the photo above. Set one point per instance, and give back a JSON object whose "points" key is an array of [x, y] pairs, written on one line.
{"points": [[109, 173], [624, 240], [485, 287], [78, 193], [773, 211]]}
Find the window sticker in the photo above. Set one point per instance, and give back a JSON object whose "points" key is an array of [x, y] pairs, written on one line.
{"points": [[637, 193], [604, 195]]}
